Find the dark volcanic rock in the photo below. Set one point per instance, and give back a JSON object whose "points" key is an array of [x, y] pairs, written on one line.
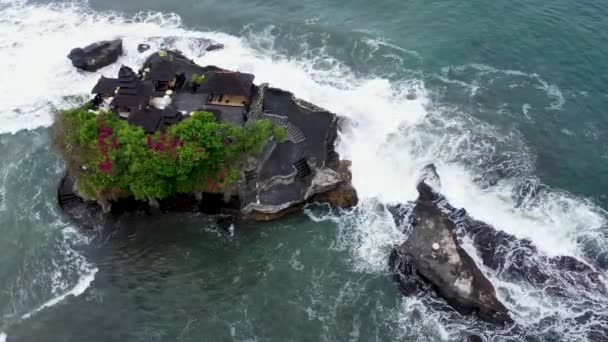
{"points": [[300, 169], [519, 259], [198, 45], [143, 48], [433, 252], [474, 338], [575, 281], [96, 55], [86, 213], [344, 195], [214, 46]]}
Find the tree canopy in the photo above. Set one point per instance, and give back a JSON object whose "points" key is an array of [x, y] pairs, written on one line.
{"points": [[115, 158]]}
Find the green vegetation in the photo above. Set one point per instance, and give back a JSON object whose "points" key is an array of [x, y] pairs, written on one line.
{"points": [[113, 158], [197, 79], [279, 133]]}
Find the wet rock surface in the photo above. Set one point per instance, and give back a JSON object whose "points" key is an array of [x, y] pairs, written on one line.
{"points": [[299, 170], [198, 44], [519, 260], [97, 55], [577, 281], [143, 48], [432, 251]]}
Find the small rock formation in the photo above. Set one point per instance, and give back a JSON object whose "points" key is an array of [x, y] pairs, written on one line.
{"points": [[197, 43], [519, 259], [143, 48], [433, 256], [97, 55], [214, 46], [344, 195]]}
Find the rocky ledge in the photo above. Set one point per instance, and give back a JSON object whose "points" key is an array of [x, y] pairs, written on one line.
{"points": [[302, 168], [432, 259], [433, 256]]}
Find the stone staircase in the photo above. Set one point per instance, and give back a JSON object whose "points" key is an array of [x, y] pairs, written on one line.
{"points": [[302, 168], [256, 109], [293, 132], [66, 198], [251, 178]]}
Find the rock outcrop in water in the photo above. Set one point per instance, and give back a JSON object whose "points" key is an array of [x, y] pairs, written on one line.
{"points": [[432, 257], [301, 169], [97, 55], [576, 282]]}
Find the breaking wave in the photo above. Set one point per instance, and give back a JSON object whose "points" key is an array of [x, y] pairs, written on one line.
{"points": [[46, 251], [393, 129], [83, 283]]}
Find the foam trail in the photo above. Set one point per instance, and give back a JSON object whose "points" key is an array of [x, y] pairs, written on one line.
{"points": [[84, 283]]}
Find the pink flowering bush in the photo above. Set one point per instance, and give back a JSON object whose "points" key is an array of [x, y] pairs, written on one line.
{"points": [[197, 154]]}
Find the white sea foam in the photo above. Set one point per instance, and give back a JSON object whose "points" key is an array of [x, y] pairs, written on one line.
{"points": [[83, 283], [525, 109], [516, 78], [3, 175], [36, 77], [52, 266]]}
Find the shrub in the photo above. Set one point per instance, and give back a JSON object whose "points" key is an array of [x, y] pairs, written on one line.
{"points": [[197, 154], [197, 79], [279, 133]]}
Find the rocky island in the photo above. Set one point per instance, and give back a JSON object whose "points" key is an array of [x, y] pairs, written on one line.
{"points": [[178, 136]]}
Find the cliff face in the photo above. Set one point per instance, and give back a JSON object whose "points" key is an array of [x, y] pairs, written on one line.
{"points": [[286, 175], [301, 168]]}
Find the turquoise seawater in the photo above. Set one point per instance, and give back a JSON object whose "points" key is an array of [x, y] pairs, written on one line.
{"points": [[511, 105]]}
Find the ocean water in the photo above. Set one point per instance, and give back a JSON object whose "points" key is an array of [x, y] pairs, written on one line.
{"points": [[510, 106]]}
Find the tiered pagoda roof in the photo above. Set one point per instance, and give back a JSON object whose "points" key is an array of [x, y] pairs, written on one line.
{"points": [[163, 70], [132, 92], [105, 86]]}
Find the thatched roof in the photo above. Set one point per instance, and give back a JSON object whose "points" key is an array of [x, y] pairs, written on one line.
{"points": [[133, 98], [127, 77], [154, 119], [228, 83], [105, 86], [148, 119], [162, 70]]}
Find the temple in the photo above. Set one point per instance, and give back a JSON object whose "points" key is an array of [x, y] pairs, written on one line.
{"points": [[169, 87], [228, 88], [165, 91], [132, 94]]}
